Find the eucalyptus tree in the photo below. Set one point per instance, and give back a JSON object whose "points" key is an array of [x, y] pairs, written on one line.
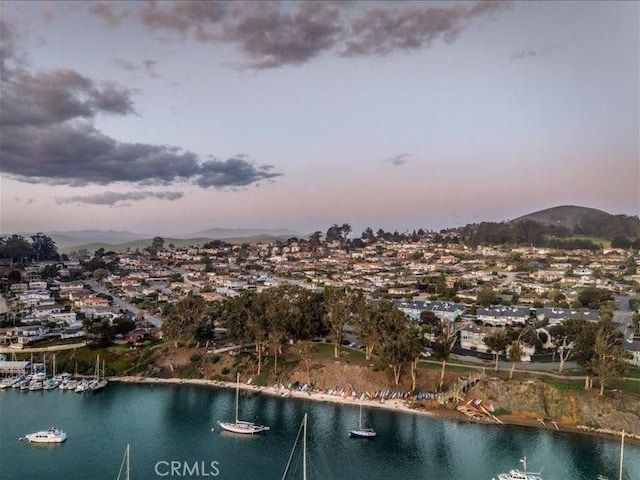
{"points": [[340, 304], [416, 342], [183, 319], [445, 345], [608, 360], [397, 347], [497, 342]]}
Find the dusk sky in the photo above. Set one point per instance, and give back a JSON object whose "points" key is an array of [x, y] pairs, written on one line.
{"points": [[176, 117]]}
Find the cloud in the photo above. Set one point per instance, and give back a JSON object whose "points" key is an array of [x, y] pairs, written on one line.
{"points": [[118, 199], [398, 160], [77, 154], [275, 34], [48, 134], [149, 66], [105, 11], [381, 31], [48, 98], [272, 37], [522, 54]]}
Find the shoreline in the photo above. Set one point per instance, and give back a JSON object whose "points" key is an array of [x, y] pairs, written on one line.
{"points": [[395, 405]]}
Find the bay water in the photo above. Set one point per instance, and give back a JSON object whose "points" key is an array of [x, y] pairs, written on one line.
{"points": [[173, 433]]}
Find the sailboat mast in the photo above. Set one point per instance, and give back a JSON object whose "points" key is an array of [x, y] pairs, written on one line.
{"points": [[127, 477], [237, 393], [621, 454], [304, 449]]}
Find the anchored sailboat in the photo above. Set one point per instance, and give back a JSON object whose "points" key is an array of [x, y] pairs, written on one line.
{"points": [[240, 426], [362, 432]]}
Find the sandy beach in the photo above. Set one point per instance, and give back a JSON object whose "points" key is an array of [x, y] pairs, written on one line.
{"points": [[398, 405]]}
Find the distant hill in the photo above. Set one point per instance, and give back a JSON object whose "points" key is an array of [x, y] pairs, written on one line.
{"points": [[178, 242], [224, 233], [587, 221], [78, 237]]}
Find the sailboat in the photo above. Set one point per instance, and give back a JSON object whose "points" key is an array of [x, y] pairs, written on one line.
{"points": [[99, 384], [240, 426], [125, 465], [303, 430], [362, 432], [601, 477]]}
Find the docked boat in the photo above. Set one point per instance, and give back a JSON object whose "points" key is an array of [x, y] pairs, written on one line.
{"points": [[82, 386], [52, 435], [361, 432], [240, 426], [35, 385], [70, 385], [517, 474], [98, 383]]}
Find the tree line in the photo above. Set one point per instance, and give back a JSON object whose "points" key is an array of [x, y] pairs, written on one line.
{"points": [[18, 249]]}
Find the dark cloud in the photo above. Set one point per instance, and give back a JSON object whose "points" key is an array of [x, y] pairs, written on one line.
{"points": [[274, 34], [48, 135], [398, 159], [76, 153], [381, 31], [49, 98], [121, 199], [522, 54]]}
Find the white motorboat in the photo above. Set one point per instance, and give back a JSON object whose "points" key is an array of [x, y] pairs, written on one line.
{"points": [[82, 386], [239, 426], [53, 435], [517, 474], [35, 385], [362, 432]]}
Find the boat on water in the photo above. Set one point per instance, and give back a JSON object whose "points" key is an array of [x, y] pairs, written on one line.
{"points": [[303, 431], [517, 474], [98, 383], [52, 435], [82, 386], [361, 432], [124, 466], [35, 385], [240, 426]]}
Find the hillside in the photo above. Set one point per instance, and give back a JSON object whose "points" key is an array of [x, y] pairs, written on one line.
{"points": [[586, 221], [178, 242]]}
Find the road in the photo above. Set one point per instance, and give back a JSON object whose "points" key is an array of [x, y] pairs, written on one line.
{"points": [[123, 304]]}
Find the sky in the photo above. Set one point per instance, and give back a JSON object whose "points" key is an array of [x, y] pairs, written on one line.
{"points": [[175, 117]]}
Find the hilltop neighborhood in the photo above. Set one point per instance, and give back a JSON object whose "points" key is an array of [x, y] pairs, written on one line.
{"points": [[479, 289]]}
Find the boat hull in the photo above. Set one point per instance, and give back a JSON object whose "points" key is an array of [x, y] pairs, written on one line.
{"points": [[49, 436], [362, 433], [243, 428]]}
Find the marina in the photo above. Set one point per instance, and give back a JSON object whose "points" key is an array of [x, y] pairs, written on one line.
{"points": [[32, 377], [165, 423]]}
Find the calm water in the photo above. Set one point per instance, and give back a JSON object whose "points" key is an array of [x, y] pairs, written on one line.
{"points": [[174, 424]]}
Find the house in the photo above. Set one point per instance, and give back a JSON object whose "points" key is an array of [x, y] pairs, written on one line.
{"points": [[559, 315], [501, 316]]}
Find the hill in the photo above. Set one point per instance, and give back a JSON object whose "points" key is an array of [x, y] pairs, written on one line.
{"points": [[178, 242], [586, 221], [225, 233]]}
